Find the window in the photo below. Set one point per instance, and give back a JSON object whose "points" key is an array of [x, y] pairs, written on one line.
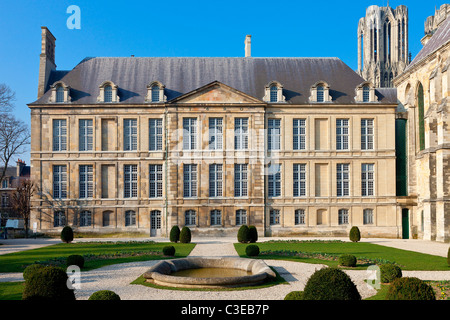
{"points": [[86, 181], [5, 200], [215, 134], [299, 180], [4, 183], [190, 180], [420, 104], [189, 218], [342, 179], [274, 132], [86, 133], [189, 133], [59, 219], [342, 134], [155, 93], [156, 181], [130, 218], [274, 180], [368, 216], [343, 216], [107, 217], [130, 133], [60, 94], [274, 217], [241, 133], [367, 179], [320, 94], [107, 94], [130, 181], [216, 217], [366, 94], [299, 134], [215, 180], [155, 134], [59, 135], [241, 217], [60, 182], [85, 218], [155, 219], [299, 216], [273, 93], [240, 180], [367, 134]]}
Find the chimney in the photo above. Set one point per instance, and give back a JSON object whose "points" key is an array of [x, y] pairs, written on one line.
{"points": [[47, 59], [248, 46], [20, 165]]}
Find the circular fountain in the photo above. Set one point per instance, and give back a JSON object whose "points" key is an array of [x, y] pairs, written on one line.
{"points": [[209, 273]]}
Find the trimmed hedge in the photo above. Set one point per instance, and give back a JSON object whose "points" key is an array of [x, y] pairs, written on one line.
{"points": [[175, 234], [389, 272], [243, 235], [185, 235], [410, 289], [104, 295], [67, 234], [252, 250], [169, 251], [76, 260], [294, 295], [47, 283], [330, 284], [31, 269], [448, 256], [347, 260], [355, 234], [252, 234]]}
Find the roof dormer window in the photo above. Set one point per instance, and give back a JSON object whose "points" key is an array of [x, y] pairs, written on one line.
{"points": [[274, 93], [365, 92], [108, 92], [320, 92], [60, 93], [155, 92]]}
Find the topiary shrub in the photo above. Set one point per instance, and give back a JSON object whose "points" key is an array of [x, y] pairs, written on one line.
{"points": [[76, 260], [252, 234], [185, 235], [355, 235], [67, 234], [330, 284], [32, 268], [294, 295], [410, 289], [448, 256], [175, 234], [243, 235], [104, 295], [169, 251], [389, 272], [347, 260], [252, 250], [47, 283]]}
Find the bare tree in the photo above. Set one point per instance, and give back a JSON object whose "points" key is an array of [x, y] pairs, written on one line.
{"points": [[7, 97], [20, 201]]}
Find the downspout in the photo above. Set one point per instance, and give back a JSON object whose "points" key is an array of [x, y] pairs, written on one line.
{"points": [[166, 163]]}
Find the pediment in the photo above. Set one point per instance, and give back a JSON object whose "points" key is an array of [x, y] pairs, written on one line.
{"points": [[216, 92]]}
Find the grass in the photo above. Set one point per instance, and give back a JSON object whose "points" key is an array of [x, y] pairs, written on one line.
{"points": [[407, 260], [11, 290]]}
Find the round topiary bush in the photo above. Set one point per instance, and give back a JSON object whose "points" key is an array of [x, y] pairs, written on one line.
{"points": [[252, 250], [389, 272], [48, 283], [76, 260], [67, 234], [355, 235], [185, 235], [175, 234], [448, 256], [243, 235], [252, 234], [294, 295], [410, 289], [104, 295], [330, 284], [31, 269], [169, 251], [347, 260]]}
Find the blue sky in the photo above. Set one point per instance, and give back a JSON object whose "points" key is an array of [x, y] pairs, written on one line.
{"points": [[183, 28]]}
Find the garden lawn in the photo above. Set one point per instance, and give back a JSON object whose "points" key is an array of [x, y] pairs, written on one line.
{"points": [[407, 260], [16, 262]]}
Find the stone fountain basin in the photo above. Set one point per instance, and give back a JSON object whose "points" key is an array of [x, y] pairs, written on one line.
{"points": [[161, 273]]}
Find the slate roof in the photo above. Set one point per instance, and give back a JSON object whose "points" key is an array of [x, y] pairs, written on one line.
{"points": [[181, 75]]}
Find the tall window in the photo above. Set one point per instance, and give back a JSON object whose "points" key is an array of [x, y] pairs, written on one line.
{"points": [[155, 93], [130, 134], [274, 217], [60, 94], [190, 180], [367, 134], [189, 218], [107, 94], [366, 94], [215, 180], [86, 181], [216, 218], [273, 93], [240, 180], [274, 181], [60, 182], [368, 216], [86, 135], [320, 94], [299, 134], [343, 216], [342, 179], [155, 219], [59, 135], [342, 134], [130, 218], [130, 181], [421, 117], [274, 134], [155, 134], [189, 133], [215, 133], [241, 217], [299, 216], [241, 133], [367, 179], [299, 180], [85, 218], [59, 219], [155, 180]]}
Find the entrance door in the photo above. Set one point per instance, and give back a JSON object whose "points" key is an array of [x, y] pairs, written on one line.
{"points": [[155, 223], [405, 223]]}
